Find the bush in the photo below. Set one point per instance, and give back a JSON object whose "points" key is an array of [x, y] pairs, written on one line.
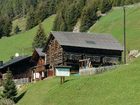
{"points": [[5, 101]]}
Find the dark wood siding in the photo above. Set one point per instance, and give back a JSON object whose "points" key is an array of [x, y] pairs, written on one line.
{"points": [[97, 56], [54, 53], [20, 69], [69, 55]]}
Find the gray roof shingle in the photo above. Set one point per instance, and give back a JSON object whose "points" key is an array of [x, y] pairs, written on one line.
{"points": [[87, 40], [39, 51], [14, 60]]}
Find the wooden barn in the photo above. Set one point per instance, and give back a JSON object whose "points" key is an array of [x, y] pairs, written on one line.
{"points": [[69, 49]]}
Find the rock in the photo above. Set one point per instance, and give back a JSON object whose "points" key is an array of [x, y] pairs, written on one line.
{"points": [[134, 54]]}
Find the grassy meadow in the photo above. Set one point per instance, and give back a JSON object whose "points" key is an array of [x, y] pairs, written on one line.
{"points": [[118, 87], [22, 42], [113, 23]]}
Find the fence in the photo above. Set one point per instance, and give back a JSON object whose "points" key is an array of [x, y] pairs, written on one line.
{"points": [[92, 71], [21, 81]]}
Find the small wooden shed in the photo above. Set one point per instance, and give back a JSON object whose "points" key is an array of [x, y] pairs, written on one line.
{"points": [[20, 67]]}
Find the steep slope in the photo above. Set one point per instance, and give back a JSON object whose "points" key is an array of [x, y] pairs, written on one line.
{"points": [[22, 43], [119, 87], [113, 23]]}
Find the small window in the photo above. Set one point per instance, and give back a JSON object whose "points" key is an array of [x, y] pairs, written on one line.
{"points": [[90, 42]]}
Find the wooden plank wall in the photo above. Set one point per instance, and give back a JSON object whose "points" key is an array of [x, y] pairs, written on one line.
{"points": [[54, 53]]}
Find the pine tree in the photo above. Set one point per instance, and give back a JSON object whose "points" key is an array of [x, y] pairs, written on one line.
{"points": [[5, 26], [106, 5], [31, 19], [68, 14], [40, 38], [89, 16], [9, 90]]}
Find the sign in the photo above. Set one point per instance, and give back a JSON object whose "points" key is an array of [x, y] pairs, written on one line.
{"points": [[62, 71]]}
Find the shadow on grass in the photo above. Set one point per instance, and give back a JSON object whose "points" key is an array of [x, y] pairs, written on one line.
{"points": [[20, 96], [68, 80]]}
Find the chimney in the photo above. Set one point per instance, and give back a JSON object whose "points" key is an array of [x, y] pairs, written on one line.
{"points": [[1, 63]]}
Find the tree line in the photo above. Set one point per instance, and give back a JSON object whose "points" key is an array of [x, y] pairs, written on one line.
{"points": [[37, 14], [68, 12], [35, 11], [87, 10], [5, 26], [16, 8]]}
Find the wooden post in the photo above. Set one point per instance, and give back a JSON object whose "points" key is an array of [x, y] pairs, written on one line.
{"points": [[35, 77], [124, 34], [62, 79]]}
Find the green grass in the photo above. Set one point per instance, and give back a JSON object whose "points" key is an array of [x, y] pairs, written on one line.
{"points": [[22, 43], [118, 87], [113, 23]]}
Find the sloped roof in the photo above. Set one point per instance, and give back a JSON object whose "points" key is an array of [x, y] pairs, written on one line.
{"points": [[14, 60], [87, 40], [39, 51]]}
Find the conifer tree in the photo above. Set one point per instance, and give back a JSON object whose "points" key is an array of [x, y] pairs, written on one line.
{"points": [[31, 19], [5, 26], [40, 38], [9, 91], [89, 16]]}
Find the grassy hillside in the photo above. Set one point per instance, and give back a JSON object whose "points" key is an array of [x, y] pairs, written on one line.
{"points": [[113, 23], [119, 87], [22, 42]]}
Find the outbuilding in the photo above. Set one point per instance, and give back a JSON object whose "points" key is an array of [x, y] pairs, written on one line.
{"points": [[39, 60], [20, 67]]}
